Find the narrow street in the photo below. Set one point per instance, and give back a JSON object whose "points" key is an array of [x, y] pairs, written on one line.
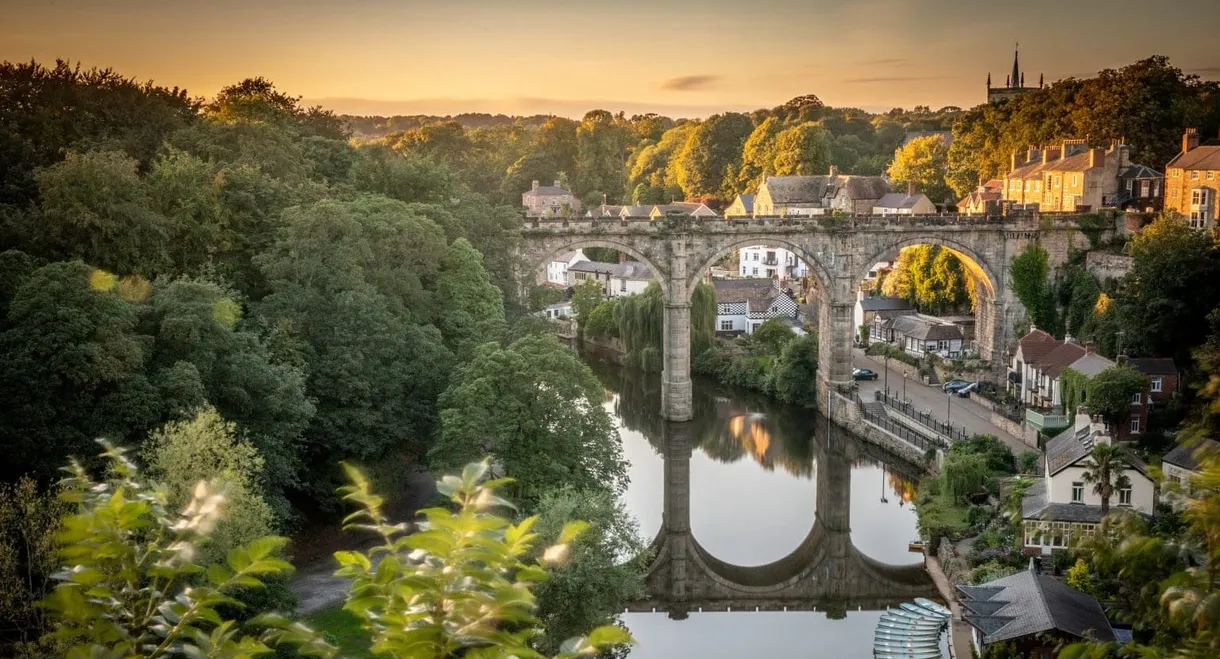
{"points": [[960, 412]]}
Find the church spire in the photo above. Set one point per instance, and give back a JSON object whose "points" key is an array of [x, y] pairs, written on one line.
{"points": [[1016, 67]]}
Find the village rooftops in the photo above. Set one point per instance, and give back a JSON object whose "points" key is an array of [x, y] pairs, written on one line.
{"points": [[814, 189], [547, 190], [1186, 456], [757, 293], [899, 200], [1029, 603], [1203, 156], [1091, 364], [924, 328], [1153, 365], [605, 210], [566, 257], [884, 304], [1064, 355], [632, 270], [1075, 444], [596, 267]]}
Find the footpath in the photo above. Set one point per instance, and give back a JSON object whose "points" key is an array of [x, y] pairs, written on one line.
{"points": [[960, 632]]}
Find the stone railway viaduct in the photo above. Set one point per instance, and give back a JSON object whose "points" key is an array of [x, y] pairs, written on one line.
{"points": [[839, 251], [825, 572]]}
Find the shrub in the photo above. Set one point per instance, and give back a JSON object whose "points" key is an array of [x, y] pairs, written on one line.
{"points": [[1028, 461]]}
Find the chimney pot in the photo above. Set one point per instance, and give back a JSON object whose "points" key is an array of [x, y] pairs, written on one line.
{"points": [[535, 187], [1016, 156], [1097, 157], [1190, 140]]}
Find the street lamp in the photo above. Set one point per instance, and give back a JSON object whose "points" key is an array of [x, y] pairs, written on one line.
{"points": [[883, 499], [887, 372], [904, 386], [948, 408]]}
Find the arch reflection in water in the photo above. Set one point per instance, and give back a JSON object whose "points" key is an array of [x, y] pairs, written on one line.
{"points": [[825, 571]]}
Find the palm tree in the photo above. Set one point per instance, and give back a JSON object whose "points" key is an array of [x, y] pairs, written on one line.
{"points": [[1105, 471]]}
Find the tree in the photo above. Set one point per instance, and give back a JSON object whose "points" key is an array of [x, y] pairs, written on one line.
{"points": [[710, 159], [71, 366], [537, 410], [773, 335], [469, 589], [605, 569], [185, 191], [802, 150], [29, 521], [758, 155], [1030, 273], [472, 311], [1169, 291], [601, 150], [182, 453], [964, 474], [95, 207], [145, 595], [410, 178], [1109, 393], [794, 374], [923, 162], [586, 297], [1104, 471]]}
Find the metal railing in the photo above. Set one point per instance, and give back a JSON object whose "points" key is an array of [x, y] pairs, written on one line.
{"points": [[902, 432], [923, 418]]}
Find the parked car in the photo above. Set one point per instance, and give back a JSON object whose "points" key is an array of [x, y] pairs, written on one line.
{"points": [[955, 385], [964, 392], [863, 374]]}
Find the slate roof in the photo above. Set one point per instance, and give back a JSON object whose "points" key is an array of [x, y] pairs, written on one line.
{"points": [[925, 328], [747, 202], [899, 200], [1204, 156], [796, 189], [1091, 364], [1074, 163], [688, 207], [862, 187], [1184, 455], [632, 270], [566, 257], [547, 191], [593, 266], [1036, 506], [1154, 365], [756, 293], [1074, 444], [884, 304], [1053, 363], [635, 211], [604, 210], [1138, 171], [1035, 603]]}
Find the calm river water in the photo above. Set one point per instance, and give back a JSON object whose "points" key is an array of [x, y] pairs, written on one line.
{"points": [[752, 495]]}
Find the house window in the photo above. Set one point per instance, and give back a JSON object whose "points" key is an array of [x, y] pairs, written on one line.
{"points": [[1211, 176], [1155, 385], [1124, 496], [1130, 186], [1075, 180], [1135, 399], [1144, 188], [622, 285], [726, 326], [755, 271], [1194, 175], [1077, 492], [1135, 425], [1175, 173]]}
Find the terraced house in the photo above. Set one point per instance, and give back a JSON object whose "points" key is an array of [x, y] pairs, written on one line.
{"points": [[1072, 177], [1193, 179]]}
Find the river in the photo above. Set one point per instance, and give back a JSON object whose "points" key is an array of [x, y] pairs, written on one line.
{"points": [[751, 484]]}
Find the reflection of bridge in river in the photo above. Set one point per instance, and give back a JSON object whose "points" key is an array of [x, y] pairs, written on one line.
{"points": [[825, 572]]}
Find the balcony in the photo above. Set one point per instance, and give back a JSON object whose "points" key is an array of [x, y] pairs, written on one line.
{"points": [[1047, 419]]}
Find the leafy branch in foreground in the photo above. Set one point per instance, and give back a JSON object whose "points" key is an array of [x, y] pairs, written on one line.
{"points": [[131, 585], [458, 585]]}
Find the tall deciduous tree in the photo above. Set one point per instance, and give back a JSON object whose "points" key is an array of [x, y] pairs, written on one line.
{"points": [[537, 410], [758, 155], [601, 154], [802, 150], [471, 310], [711, 158], [1030, 281], [1109, 393], [923, 162]]}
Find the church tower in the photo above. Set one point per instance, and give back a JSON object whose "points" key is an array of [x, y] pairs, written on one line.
{"points": [[1014, 84]]}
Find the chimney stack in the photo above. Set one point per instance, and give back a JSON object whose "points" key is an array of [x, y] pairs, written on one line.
{"points": [[834, 170], [1016, 159], [535, 186], [622, 257], [910, 188], [557, 183], [1097, 157], [1190, 140]]}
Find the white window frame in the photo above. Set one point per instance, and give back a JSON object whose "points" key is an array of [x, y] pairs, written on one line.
{"points": [[1154, 385], [1137, 399], [1135, 425], [726, 326], [755, 272], [1124, 496], [1077, 492]]}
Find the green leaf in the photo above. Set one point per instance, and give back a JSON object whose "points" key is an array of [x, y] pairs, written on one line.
{"points": [[571, 531], [474, 472], [610, 635], [353, 558]]}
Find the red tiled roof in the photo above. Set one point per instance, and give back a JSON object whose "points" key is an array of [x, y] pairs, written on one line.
{"points": [[1060, 358], [1036, 345]]}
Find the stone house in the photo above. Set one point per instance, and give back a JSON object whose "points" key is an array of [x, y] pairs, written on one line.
{"points": [[1192, 181], [1181, 465], [629, 278], [681, 208], [1062, 507], [770, 262], [983, 200], [557, 267], [1070, 177], [549, 201], [1162, 375], [1035, 612], [744, 304], [604, 210], [1030, 348], [582, 271], [896, 203], [869, 311], [803, 196], [742, 206], [919, 334]]}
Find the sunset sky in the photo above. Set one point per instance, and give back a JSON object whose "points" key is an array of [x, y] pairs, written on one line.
{"points": [[678, 57]]}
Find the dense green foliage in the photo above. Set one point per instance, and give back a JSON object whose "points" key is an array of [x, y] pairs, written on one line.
{"points": [[1030, 281], [932, 279], [923, 163]]}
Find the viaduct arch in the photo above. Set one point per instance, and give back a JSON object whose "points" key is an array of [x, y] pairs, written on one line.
{"points": [[839, 251]]}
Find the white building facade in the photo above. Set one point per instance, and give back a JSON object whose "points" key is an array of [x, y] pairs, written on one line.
{"points": [[557, 268], [770, 263]]}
